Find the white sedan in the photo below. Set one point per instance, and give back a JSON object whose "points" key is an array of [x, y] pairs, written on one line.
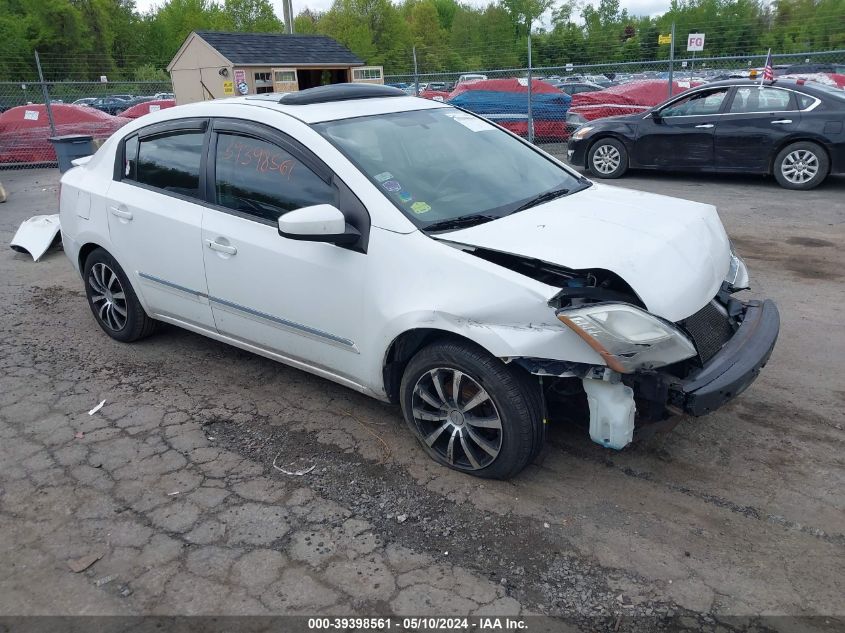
{"points": [[421, 255]]}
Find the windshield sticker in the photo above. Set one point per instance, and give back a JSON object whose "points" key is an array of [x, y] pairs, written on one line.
{"points": [[31, 115], [392, 186], [404, 196], [470, 122], [420, 207], [386, 175]]}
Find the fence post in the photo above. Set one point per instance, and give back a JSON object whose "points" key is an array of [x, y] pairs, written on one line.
{"points": [[416, 75], [46, 95], [530, 114], [671, 58]]}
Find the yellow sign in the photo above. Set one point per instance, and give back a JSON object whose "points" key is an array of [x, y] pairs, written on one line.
{"points": [[228, 87], [664, 39]]}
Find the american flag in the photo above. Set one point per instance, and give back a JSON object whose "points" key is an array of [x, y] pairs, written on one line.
{"points": [[768, 73]]}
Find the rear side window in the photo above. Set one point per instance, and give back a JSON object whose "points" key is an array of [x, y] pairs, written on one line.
{"points": [[130, 158], [263, 180], [761, 99], [171, 162], [804, 101]]}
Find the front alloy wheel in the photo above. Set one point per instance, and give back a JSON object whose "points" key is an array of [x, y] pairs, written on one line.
{"points": [[470, 411], [607, 158], [457, 419]]}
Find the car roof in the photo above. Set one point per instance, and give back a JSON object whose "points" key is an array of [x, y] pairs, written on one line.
{"points": [[793, 84], [335, 110]]}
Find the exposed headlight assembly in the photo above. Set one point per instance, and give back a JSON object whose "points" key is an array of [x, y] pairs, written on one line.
{"points": [[737, 273], [626, 337], [581, 132]]}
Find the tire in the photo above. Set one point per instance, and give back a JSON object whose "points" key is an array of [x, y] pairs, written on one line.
{"points": [[512, 398], [112, 300], [607, 158], [803, 165]]}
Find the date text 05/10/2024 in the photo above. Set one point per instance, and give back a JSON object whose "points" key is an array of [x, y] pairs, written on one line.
{"points": [[419, 624]]}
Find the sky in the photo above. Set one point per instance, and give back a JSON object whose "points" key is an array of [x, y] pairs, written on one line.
{"points": [[635, 7]]}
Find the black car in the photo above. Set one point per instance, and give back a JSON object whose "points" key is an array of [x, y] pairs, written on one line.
{"points": [[112, 104], [576, 87], [792, 129]]}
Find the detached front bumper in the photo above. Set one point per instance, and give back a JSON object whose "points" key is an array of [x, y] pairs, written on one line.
{"points": [[735, 366]]}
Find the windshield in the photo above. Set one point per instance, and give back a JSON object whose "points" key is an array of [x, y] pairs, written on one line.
{"points": [[440, 164]]}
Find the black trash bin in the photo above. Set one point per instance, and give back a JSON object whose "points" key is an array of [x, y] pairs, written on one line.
{"points": [[71, 146]]}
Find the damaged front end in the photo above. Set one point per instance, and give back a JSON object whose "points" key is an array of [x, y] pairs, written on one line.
{"points": [[654, 368]]}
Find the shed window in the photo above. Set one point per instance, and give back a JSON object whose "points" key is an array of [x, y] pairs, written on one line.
{"points": [[366, 73], [285, 76], [263, 83]]}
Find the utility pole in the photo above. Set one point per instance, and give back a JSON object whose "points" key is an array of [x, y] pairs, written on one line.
{"points": [[530, 114], [416, 75], [46, 95], [287, 13], [671, 59]]}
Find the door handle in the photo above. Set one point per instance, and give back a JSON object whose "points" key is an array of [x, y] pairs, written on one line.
{"points": [[705, 125], [781, 121], [124, 215], [221, 248]]}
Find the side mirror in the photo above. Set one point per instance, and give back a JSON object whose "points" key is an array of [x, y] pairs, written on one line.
{"points": [[318, 223], [656, 117]]}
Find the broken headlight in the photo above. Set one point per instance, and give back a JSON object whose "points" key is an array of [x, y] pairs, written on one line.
{"points": [[626, 337], [737, 273]]}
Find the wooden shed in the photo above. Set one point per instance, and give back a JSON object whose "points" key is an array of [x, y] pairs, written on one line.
{"points": [[211, 65]]}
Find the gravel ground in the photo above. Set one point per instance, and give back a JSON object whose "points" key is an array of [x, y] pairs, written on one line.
{"points": [[171, 484]]}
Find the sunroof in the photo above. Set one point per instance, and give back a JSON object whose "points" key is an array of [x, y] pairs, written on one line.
{"points": [[339, 92]]}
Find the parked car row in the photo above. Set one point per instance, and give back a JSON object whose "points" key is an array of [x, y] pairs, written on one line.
{"points": [[118, 103]]}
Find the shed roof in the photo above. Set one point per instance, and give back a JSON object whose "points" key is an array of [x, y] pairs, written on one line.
{"points": [[260, 49]]}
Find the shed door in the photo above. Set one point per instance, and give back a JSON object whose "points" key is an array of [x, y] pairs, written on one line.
{"points": [[368, 75], [285, 80]]}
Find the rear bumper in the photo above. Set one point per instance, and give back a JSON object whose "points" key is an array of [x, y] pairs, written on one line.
{"points": [[735, 367]]}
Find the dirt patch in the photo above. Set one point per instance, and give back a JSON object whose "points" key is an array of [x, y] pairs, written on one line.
{"points": [[812, 242]]}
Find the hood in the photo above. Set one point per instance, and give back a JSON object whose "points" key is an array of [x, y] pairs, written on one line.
{"points": [[673, 253]]}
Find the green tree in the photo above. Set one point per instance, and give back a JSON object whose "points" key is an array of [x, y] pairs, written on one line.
{"points": [[252, 16]]}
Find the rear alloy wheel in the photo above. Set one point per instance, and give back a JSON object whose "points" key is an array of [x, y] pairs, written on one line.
{"points": [[801, 165], [470, 411], [113, 301], [607, 158]]}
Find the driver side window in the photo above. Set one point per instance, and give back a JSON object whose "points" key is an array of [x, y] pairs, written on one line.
{"points": [[701, 103], [263, 180]]}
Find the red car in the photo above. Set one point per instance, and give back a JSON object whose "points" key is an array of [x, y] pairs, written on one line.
{"points": [[25, 130], [140, 109], [629, 98]]}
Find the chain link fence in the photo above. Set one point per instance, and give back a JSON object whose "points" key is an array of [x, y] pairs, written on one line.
{"points": [[545, 104], [33, 112]]}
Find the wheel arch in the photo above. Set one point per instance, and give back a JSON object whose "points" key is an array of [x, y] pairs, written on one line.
{"points": [[403, 348], [799, 139], [85, 250]]}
